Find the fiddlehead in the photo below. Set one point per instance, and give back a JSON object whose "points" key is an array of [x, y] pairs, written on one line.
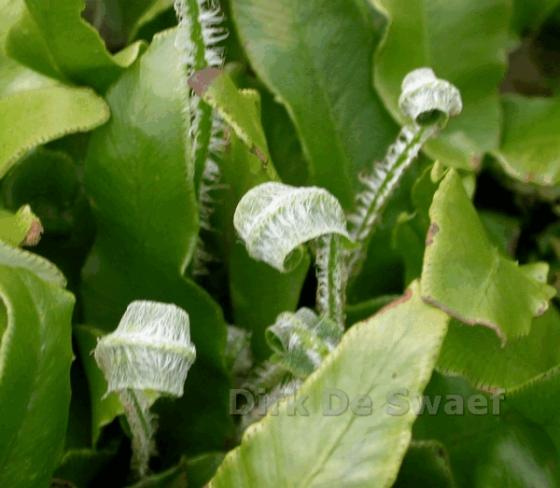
{"points": [[428, 103], [275, 220], [148, 355]]}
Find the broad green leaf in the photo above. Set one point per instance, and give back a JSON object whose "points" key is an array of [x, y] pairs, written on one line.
{"points": [[488, 444], [20, 228], [141, 184], [315, 57], [137, 171], [530, 150], [104, 407], [53, 38], [476, 353], [240, 109], [437, 34], [29, 118], [466, 275], [394, 350], [426, 464], [35, 358], [538, 401]]}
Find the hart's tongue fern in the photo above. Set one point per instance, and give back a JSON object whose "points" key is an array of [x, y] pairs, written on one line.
{"points": [[199, 36], [428, 103]]}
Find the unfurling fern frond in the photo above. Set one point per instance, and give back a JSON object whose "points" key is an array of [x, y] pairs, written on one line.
{"points": [[148, 355], [428, 103], [302, 340], [275, 220]]}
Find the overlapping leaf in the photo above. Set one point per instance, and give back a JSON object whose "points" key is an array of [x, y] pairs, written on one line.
{"points": [[395, 350], [53, 39], [466, 275], [35, 358]]}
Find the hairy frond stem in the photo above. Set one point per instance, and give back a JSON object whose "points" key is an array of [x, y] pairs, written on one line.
{"points": [[428, 103]]}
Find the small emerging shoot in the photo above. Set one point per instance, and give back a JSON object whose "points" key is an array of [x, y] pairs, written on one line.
{"points": [[148, 355]]}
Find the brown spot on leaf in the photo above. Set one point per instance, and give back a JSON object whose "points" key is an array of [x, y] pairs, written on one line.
{"points": [[34, 235], [201, 80], [432, 231], [261, 155]]}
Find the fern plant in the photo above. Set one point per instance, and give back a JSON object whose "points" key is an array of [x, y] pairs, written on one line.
{"points": [[347, 334]]}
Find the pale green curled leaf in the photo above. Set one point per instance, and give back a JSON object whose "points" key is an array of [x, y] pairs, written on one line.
{"points": [[477, 354], [446, 36], [364, 444], [33, 117], [148, 355], [240, 109], [54, 39], [20, 258], [302, 340], [104, 406], [427, 103], [274, 220], [22, 228], [35, 359], [466, 275], [315, 57], [530, 148]]}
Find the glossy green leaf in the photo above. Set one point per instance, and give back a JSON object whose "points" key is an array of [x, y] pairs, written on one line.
{"points": [[439, 34], [33, 117], [466, 275], [141, 184], [538, 401], [530, 150], [394, 350], [476, 353], [53, 39], [104, 407], [488, 444], [35, 358], [315, 57]]}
